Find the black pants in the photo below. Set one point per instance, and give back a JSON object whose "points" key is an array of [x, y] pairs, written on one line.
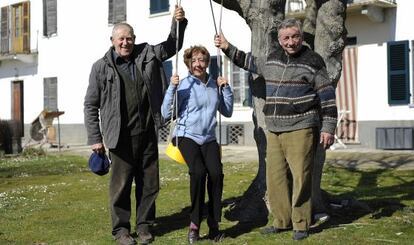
{"points": [[134, 159], [204, 163]]}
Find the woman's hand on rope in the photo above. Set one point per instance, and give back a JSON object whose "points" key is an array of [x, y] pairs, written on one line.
{"points": [[179, 13], [221, 42], [222, 82], [175, 80]]}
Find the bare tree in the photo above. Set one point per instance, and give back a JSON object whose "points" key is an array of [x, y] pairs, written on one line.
{"points": [[324, 28]]}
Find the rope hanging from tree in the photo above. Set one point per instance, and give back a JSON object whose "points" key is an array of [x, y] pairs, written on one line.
{"points": [[173, 151], [218, 58]]}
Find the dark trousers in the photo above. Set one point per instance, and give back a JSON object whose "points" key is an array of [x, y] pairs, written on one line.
{"points": [[203, 162], [134, 159]]}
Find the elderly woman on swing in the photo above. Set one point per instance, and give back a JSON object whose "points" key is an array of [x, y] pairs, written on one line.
{"points": [[199, 98]]}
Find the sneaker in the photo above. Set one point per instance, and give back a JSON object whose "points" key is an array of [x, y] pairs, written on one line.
{"points": [[125, 239], [300, 235], [215, 235], [145, 237], [193, 236], [319, 219]]}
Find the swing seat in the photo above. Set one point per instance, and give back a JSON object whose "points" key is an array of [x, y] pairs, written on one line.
{"points": [[174, 153]]}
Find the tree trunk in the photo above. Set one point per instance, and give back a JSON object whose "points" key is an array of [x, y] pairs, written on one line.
{"points": [[326, 21], [262, 16]]}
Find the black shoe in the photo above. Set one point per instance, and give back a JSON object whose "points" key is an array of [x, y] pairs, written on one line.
{"points": [[125, 239], [193, 236], [270, 230], [215, 235], [145, 237], [300, 235]]}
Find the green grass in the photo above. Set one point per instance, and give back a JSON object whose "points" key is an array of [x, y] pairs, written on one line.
{"points": [[54, 199]]}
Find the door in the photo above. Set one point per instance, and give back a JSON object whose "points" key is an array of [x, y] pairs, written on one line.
{"points": [[17, 106]]}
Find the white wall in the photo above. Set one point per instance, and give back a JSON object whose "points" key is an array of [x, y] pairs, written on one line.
{"points": [[83, 37], [372, 66]]}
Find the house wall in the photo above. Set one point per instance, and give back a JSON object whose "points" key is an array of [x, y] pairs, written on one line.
{"points": [[83, 37], [373, 108]]}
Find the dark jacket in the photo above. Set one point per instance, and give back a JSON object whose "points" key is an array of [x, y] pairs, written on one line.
{"points": [[102, 107]]}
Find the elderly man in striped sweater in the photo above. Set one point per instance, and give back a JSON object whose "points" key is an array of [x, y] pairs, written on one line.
{"points": [[300, 110]]}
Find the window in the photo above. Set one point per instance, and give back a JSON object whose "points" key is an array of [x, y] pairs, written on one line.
{"points": [[412, 71], [15, 28], [398, 73], [20, 24], [159, 6], [50, 94], [117, 11], [168, 69], [17, 108], [4, 30], [49, 18], [239, 80], [213, 69], [351, 41]]}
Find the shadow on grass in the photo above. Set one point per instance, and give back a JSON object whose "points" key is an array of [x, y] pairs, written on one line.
{"points": [[379, 201], [180, 220], [176, 221]]}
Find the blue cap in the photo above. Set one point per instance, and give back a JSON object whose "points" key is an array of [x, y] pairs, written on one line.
{"points": [[99, 163]]}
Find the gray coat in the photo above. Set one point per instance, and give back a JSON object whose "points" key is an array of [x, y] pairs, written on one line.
{"points": [[102, 107]]}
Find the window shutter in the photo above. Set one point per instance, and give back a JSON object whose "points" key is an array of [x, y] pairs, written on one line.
{"points": [[49, 17], [117, 11], [398, 73], [26, 27], [50, 94], [213, 69], [111, 12], [168, 69], [4, 30]]}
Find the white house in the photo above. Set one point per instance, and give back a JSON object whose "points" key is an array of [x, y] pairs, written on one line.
{"points": [[49, 46]]}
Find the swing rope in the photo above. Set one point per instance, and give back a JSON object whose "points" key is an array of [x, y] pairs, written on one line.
{"points": [[175, 103], [218, 60]]}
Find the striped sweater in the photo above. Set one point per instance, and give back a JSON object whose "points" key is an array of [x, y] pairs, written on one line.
{"points": [[299, 93]]}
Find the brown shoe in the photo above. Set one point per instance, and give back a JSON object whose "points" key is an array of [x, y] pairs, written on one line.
{"points": [[193, 236], [125, 239], [145, 237]]}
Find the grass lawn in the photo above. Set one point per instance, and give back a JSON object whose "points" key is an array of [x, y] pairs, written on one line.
{"points": [[54, 199]]}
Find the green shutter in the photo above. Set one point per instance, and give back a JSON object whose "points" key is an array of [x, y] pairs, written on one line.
{"points": [[159, 6], [168, 69], [213, 68], [398, 73]]}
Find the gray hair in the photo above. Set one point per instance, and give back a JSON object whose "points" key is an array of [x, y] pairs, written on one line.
{"points": [[291, 22], [123, 26]]}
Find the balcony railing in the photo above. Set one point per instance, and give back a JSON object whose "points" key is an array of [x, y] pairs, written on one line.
{"points": [[296, 8]]}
